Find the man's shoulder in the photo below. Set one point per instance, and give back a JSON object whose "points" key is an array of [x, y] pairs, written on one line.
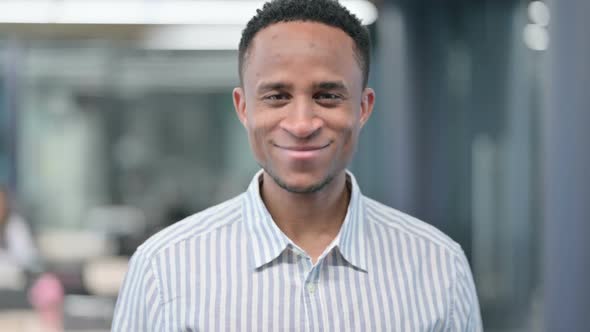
{"points": [[407, 225], [196, 225]]}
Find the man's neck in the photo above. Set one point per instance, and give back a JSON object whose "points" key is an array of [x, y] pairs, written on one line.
{"points": [[312, 220]]}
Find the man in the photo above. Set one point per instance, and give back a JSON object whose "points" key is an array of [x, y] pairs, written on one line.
{"points": [[302, 249]]}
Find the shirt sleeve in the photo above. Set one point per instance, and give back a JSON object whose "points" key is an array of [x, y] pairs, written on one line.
{"points": [[465, 313], [138, 306]]}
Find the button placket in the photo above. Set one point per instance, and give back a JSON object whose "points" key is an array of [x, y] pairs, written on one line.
{"points": [[311, 282]]}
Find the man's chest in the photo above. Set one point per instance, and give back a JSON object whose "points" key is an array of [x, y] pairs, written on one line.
{"points": [[291, 296]]}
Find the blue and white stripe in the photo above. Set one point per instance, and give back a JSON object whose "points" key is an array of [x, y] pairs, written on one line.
{"points": [[230, 268]]}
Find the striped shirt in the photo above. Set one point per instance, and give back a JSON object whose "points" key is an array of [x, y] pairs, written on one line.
{"points": [[230, 268]]}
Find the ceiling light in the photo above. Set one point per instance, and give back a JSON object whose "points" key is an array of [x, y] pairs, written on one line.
{"points": [[193, 37], [173, 12], [539, 13], [536, 37]]}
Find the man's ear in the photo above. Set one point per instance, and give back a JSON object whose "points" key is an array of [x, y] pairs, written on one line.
{"points": [[240, 105], [367, 104]]}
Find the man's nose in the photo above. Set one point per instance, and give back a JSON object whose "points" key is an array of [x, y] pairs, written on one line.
{"points": [[301, 120]]}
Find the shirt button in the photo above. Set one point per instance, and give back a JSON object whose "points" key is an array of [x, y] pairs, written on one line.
{"points": [[311, 287]]}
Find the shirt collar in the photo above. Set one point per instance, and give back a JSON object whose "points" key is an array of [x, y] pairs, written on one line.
{"points": [[268, 241]]}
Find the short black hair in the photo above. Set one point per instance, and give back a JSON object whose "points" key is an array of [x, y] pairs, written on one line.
{"points": [[328, 12]]}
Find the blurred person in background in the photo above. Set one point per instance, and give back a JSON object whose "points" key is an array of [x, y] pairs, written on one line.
{"points": [[16, 240], [19, 261], [302, 248]]}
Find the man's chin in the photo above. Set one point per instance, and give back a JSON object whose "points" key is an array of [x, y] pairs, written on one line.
{"points": [[305, 186], [294, 189]]}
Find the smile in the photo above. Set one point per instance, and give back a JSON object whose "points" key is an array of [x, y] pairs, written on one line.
{"points": [[303, 151]]}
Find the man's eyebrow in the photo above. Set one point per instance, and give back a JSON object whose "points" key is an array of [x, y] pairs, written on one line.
{"points": [[331, 85], [264, 87]]}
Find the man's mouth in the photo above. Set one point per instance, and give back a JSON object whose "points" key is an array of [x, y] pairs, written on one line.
{"points": [[302, 147], [302, 152]]}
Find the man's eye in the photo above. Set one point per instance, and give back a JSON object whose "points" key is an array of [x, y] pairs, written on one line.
{"points": [[328, 97], [276, 97]]}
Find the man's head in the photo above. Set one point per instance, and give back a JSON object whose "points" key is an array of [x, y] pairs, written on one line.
{"points": [[303, 98], [328, 12]]}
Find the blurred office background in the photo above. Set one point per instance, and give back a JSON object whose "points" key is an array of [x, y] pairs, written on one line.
{"points": [[113, 127]]}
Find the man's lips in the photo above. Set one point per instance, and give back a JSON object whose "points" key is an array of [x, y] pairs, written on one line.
{"points": [[302, 147], [302, 152]]}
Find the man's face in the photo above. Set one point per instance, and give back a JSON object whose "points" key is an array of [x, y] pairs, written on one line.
{"points": [[302, 103]]}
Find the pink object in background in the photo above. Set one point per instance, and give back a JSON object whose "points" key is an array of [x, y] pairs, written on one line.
{"points": [[47, 298]]}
